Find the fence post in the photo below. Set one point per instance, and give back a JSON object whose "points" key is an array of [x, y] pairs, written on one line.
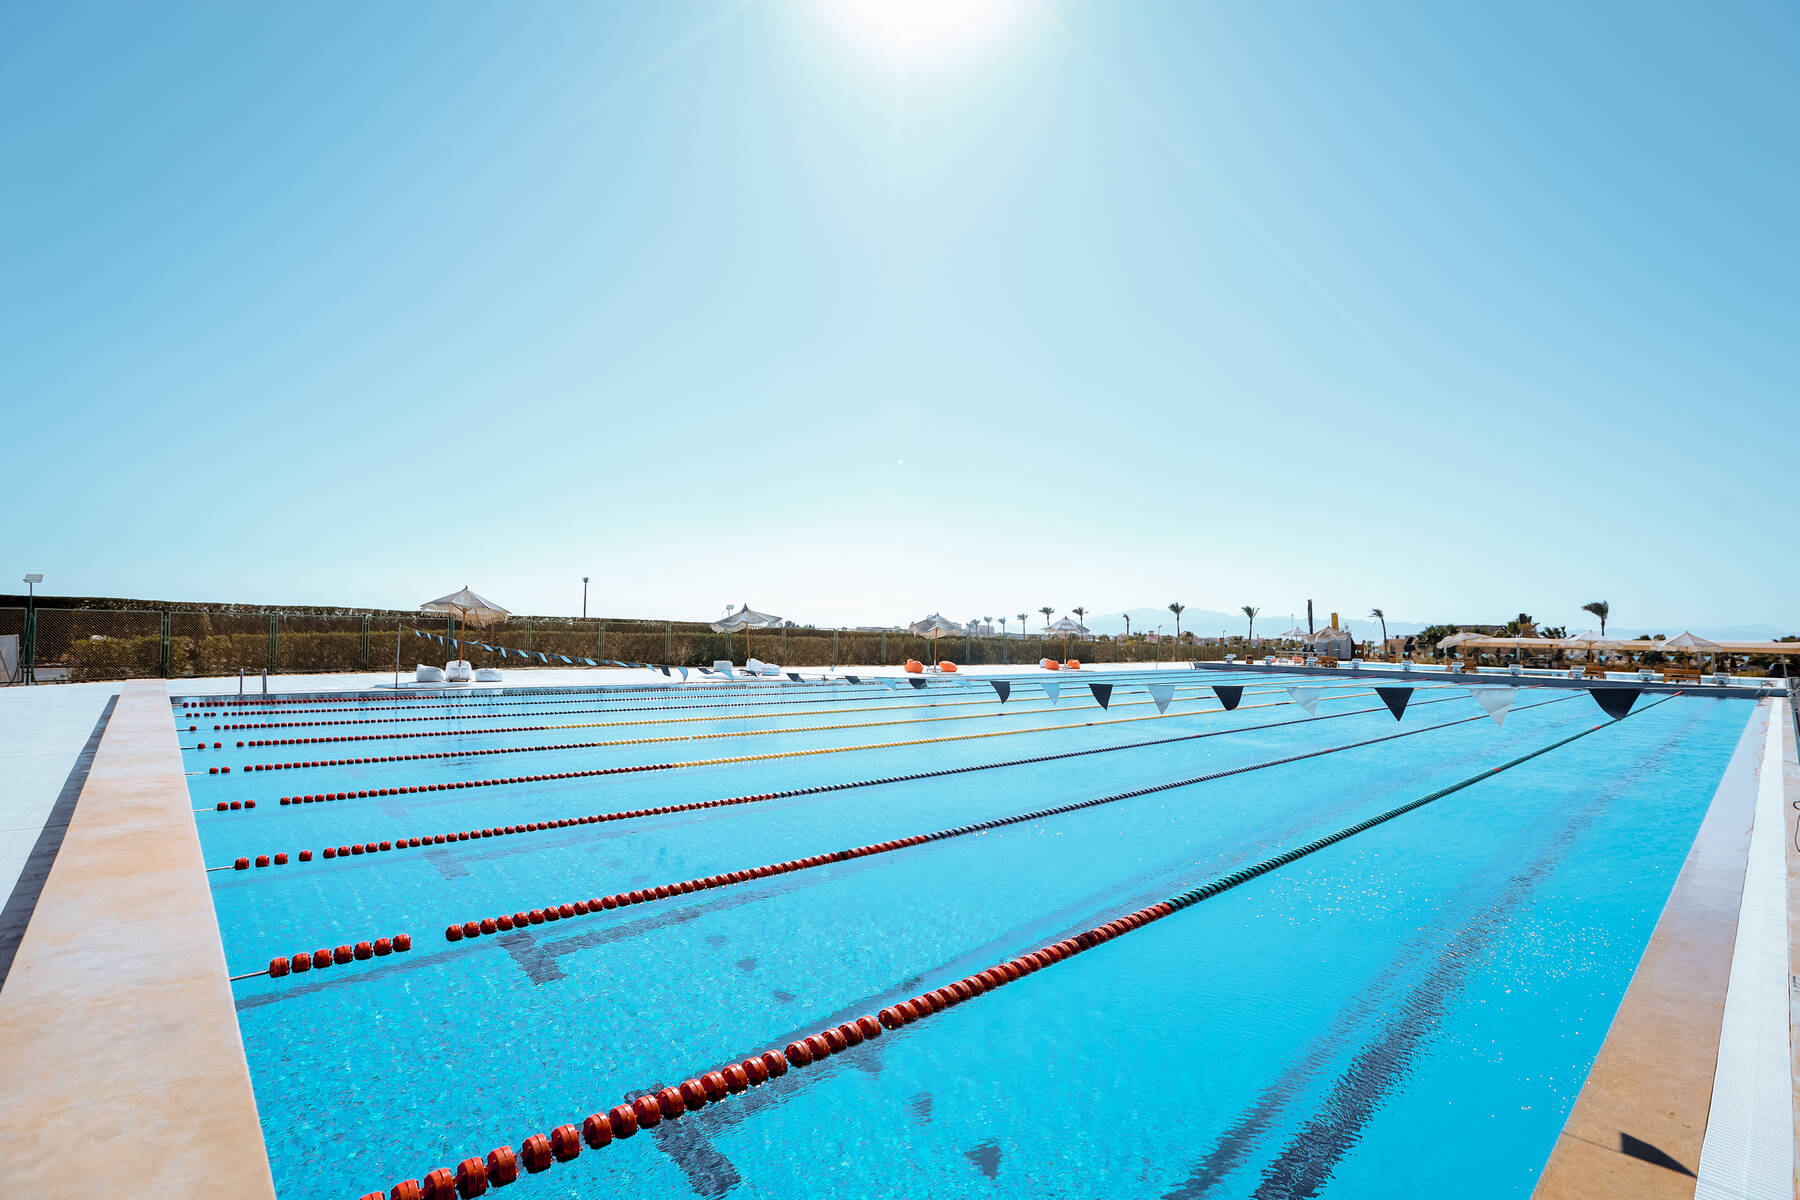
{"points": [[784, 643], [834, 634], [884, 647], [600, 641], [28, 671], [668, 642], [162, 652], [274, 638], [365, 642]]}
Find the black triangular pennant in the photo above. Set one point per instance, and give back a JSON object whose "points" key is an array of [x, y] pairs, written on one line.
{"points": [[917, 683], [1002, 687], [1616, 702], [852, 679], [1228, 696], [794, 676], [1102, 693], [1395, 698], [665, 671]]}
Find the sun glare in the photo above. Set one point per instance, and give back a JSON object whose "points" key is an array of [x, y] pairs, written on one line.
{"points": [[921, 28]]}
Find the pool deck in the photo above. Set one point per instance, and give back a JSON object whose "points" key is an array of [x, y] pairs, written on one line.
{"points": [[123, 1071], [115, 932]]}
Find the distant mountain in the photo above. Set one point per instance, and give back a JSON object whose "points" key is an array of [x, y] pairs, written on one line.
{"points": [[1206, 622]]}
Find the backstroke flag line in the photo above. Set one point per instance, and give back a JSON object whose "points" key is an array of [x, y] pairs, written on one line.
{"points": [[1001, 688], [1053, 690], [1102, 693], [1162, 693], [1306, 697], [1228, 694]]}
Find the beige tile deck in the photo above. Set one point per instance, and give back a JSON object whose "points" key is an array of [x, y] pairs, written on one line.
{"points": [[121, 1071], [1649, 1089]]}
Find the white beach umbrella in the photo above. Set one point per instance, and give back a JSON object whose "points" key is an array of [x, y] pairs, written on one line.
{"points": [[474, 609], [746, 619], [934, 627], [1698, 645], [1458, 639]]}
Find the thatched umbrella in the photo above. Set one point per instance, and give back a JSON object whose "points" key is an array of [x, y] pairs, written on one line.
{"points": [[473, 609]]}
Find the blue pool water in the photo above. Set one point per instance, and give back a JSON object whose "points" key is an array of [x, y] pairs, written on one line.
{"points": [[1412, 1009]]}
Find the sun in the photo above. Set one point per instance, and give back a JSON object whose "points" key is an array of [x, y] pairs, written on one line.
{"points": [[915, 29]]}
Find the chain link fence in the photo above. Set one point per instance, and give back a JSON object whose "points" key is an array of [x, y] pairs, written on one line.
{"points": [[80, 645]]}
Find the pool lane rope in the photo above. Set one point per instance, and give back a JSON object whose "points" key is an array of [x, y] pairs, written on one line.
{"points": [[473, 1176], [504, 922], [1193, 689], [863, 695], [330, 739], [300, 963], [410, 789], [469, 835]]}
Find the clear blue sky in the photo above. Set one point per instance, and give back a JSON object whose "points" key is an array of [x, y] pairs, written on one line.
{"points": [[1433, 307]]}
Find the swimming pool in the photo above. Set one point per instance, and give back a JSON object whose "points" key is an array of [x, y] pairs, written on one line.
{"points": [[1413, 1007]]}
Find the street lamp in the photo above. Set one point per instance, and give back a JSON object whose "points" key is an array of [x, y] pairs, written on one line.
{"points": [[584, 583], [28, 659]]}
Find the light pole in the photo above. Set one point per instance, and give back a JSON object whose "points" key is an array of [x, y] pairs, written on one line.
{"points": [[28, 652], [584, 583]]}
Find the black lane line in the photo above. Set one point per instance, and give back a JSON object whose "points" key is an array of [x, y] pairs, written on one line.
{"points": [[16, 915]]}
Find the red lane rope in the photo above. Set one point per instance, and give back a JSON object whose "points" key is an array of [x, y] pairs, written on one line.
{"points": [[503, 922], [365, 793], [317, 960]]}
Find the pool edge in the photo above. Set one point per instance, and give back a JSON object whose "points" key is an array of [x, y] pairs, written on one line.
{"points": [[124, 1071], [1652, 1079]]}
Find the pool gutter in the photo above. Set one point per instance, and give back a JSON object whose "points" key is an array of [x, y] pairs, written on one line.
{"points": [[121, 1069]]}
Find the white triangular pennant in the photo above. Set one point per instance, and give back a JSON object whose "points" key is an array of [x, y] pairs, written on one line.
{"points": [[1163, 694], [1053, 690], [1306, 697], [1496, 700]]}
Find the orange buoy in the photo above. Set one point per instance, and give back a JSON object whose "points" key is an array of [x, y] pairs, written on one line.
{"points": [[502, 1166], [565, 1142], [1074, 664], [1049, 664], [623, 1119], [439, 1185], [914, 667], [947, 667], [535, 1153], [471, 1177]]}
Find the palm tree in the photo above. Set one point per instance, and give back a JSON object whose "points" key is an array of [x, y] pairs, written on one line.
{"points": [[1375, 614], [1002, 626], [1601, 609], [1177, 608], [1024, 631], [1079, 613], [1046, 610], [1251, 612], [987, 626]]}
